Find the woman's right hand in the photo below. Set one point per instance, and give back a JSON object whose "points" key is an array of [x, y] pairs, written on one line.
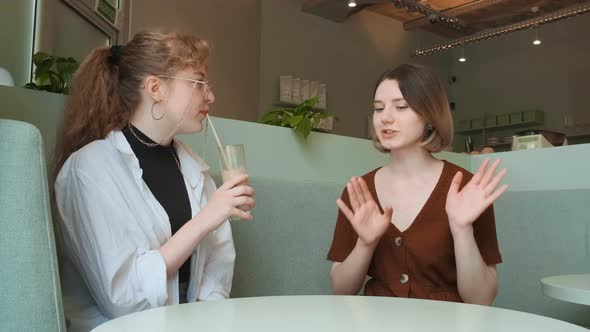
{"points": [[225, 201], [365, 217]]}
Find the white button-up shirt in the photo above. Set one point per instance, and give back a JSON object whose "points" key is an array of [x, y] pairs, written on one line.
{"points": [[112, 227]]}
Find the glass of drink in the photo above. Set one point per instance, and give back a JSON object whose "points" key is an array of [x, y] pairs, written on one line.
{"points": [[233, 163]]}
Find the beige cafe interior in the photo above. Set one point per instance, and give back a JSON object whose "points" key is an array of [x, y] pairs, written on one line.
{"points": [[517, 74]]}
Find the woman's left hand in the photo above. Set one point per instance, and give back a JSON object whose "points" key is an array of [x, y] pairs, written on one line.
{"points": [[465, 206]]}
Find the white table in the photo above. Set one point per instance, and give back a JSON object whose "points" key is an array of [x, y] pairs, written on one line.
{"points": [[571, 288], [333, 313]]}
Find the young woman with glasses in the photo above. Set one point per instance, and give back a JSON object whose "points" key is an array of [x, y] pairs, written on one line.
{"points": [[142, 222]]}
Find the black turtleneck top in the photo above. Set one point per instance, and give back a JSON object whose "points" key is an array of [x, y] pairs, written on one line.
{"points": [[165, 180]]}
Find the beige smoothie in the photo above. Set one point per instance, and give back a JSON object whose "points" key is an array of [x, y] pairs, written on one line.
{"points": [[228, 174]]}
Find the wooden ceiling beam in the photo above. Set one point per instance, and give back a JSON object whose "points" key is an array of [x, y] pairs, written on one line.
{"points": [[307, 4], [454, 12], [336, 10]]}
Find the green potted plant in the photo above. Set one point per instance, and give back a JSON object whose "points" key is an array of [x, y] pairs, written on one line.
{"points": [[52, 73], [302, 117]]}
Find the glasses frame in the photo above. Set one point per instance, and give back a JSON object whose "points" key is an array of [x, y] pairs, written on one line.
{"points": [[207, 85]]}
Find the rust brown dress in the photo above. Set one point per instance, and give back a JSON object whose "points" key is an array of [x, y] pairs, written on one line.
{"points": [[419, 262]]}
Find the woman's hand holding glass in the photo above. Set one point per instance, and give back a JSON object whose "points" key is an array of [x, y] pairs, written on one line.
{"points": [[227, 200]]}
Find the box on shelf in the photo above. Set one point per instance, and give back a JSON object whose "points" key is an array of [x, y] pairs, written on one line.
{"points": [[516, 118], [325, 125], [313, 89], [462, 125], [533, 116], [322, 103], [491, 121], [304, 90], [296, 85], [286, 89], [503, 119], [476, 124]]}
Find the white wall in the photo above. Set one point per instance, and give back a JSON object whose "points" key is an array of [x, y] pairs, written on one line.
{"points": [[348, 56], [233, 29]]}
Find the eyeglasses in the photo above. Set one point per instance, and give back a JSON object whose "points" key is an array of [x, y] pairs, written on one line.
{"points": [[205, 86]]}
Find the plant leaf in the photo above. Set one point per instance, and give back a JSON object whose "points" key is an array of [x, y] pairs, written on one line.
{"points": [[295, 120], [52, 73], [45, 87], [66, 68], [42, 79], [42, 68], [56, 82], [285, 120], [32, 86], [271, 116], [311, 102], [305, 127], [299, 109], [40, 57]]}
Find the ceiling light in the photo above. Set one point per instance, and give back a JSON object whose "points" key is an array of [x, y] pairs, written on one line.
{"points": [[537, 41], [462, 58]]}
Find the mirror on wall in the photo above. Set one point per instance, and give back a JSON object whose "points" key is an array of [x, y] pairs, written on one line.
{"points": [[64, 28], [72, 28]]}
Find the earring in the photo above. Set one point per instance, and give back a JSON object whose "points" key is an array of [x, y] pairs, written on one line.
{"points": [[428, 130], [153, 115]]}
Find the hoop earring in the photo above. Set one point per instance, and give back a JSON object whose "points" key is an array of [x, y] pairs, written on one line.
{"points": [[153, 115]]}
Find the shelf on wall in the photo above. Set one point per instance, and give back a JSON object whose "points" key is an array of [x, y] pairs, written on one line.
{"points": [[497, 145], [526, 119], [507, 126], [468, 131]]}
